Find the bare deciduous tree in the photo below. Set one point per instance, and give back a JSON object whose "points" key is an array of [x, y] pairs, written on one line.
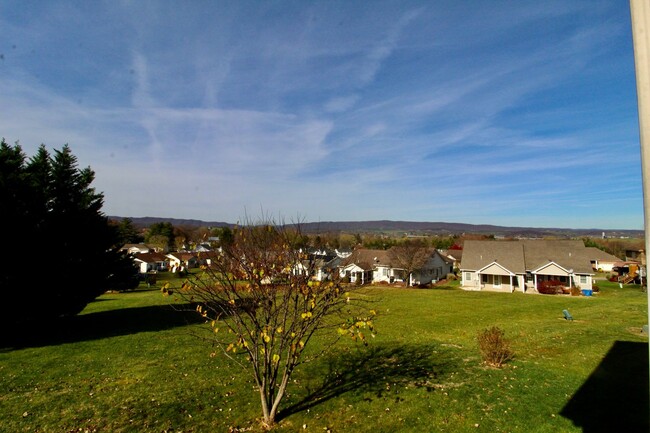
{"points": [[410, 255], [264, 310]]}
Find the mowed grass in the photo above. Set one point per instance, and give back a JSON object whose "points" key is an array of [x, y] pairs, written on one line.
{"points": [[132, 363]]}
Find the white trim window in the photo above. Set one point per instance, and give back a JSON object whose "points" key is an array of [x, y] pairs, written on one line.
{"points": [[496, 282]]}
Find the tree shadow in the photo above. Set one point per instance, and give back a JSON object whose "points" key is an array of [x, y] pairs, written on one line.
{"points": [[615, 396], [378, 370], [98, 325]]}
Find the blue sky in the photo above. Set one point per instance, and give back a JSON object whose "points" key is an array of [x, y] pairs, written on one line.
{"points": [[518, 113]]}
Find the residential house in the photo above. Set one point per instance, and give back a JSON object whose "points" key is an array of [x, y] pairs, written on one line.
{"points": [[509, 266], [202, 248], [366, 266], [182, 261], [151, 261], [343, 252], [136, 248], [319, 264], [207, 258], [436, 268], [602, 261], [454, 255]]}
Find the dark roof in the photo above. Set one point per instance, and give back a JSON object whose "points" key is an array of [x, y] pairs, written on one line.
{"points": [[150, 257], [456, 254], [183, 256], [367, 259]]}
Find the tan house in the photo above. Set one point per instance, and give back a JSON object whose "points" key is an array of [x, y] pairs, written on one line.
{"points": [[601, 260], [509, 266]]}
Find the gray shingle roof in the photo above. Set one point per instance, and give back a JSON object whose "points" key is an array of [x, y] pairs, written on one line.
{"points": [[527, 255], [478, 254], [367, 259], [600, 255]]}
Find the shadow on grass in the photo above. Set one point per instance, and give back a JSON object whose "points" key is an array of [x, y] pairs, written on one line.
{"points": [[378, 370], [98, 325], [615, 396]]}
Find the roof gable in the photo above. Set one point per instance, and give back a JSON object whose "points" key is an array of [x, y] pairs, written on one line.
{"points": [[551, 268], [495, 268]]}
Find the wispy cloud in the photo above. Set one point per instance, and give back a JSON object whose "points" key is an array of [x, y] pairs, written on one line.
{"points": [[495, 113]]}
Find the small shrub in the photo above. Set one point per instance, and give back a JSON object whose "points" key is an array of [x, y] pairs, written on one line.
{"points": [[550, 287], [495, 349], [595, 288], [575, 291]]}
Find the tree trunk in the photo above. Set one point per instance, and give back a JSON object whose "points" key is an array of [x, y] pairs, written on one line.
{"points": [[265, 407], [279, 396]]}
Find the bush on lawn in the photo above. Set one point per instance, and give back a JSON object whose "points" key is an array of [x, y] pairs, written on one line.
{"points": [[495, 349]]}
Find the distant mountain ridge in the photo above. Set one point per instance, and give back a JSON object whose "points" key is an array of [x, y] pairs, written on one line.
{"points": [[411, 227]]}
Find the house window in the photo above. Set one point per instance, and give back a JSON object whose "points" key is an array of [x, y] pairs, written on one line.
{"points": [[468, 276], [484, 278], [384, 271], [583, 279], [497, 280]]}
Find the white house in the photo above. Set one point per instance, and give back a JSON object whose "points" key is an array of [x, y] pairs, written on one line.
{"points": [[436, 268], [136, 248], [180, 261], [366, 266], [151, 261]]}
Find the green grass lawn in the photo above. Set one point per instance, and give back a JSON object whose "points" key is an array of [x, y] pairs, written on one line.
{"points": [[131, 363]]}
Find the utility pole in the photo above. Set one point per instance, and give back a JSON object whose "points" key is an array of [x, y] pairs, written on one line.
{"points": [[640, 14]]}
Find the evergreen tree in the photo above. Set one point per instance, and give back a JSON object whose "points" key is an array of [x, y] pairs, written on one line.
{"points": [[64, 251], [161, 235], [128, 233]]}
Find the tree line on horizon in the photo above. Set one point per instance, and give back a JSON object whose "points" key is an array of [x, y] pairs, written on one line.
{"points": [[165, 235]]}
